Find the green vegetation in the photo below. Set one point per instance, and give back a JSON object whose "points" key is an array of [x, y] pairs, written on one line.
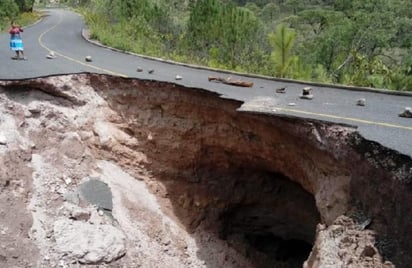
{"points": [[20, 11], [354, 42]]}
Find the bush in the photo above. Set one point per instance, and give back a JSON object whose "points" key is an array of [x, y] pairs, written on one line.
{"points": [[8, 11]]}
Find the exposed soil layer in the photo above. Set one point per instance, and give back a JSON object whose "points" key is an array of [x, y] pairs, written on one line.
{"points": [[232, 188]]}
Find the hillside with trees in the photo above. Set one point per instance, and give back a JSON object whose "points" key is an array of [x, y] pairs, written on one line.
{"points": [[20, 11], [352, 42]]}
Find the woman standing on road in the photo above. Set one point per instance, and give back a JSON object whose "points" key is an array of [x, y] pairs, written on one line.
{"points": [[16, 43]]}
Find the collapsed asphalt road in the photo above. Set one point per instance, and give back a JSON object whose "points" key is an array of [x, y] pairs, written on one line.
{"points": [[61, 32]]}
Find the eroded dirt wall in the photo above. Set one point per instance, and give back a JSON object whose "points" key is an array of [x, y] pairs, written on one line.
{"points": [[345, 173], [180, 129], [251, 179]]}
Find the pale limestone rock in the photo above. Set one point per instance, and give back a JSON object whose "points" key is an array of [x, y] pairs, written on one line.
{"points": [[3, 139], [345, 244], [87, 243], [406, 113], [361, 102]]}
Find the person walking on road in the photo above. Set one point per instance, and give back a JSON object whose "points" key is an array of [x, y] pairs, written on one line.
{"points": [[16, 43]]}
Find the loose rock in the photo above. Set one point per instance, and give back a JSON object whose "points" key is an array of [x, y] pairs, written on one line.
{"points": [[281, 90], [361, 102], [80, 214], [89, 244], [51, 55], [406, 113], [3, 140], [307, 93]]}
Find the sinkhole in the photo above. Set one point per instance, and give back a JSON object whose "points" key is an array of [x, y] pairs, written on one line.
{"points": [[263, 215], [273, 223], [259, 182]]}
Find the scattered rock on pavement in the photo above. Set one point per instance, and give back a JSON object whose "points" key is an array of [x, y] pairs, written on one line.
{"points": [[178, 77], [139, 69], [51, 55], [307, 93], [406, 113], [150, 71], [88, 58], [361, 102], [281, 90]]}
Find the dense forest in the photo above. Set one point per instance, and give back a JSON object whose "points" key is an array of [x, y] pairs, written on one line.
{"points": [[353, 42], [16, 10]]}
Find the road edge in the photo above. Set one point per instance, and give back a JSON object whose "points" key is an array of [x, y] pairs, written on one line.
{"points": [[86, 36]]}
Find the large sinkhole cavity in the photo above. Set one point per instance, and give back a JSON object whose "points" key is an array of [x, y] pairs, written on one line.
{"points": [[263, 184], [260, 182], [273, 223], [243, 177]]}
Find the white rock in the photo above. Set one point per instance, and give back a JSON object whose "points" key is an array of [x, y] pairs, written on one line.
{"points": [[51, 55], [178, 77], [62, 264], [306, 93], [88, 58], [3, 139], [89, 244], [80, 214], [67, 180], [306, 90], [361, 102], [406, 113], [34, 108]]}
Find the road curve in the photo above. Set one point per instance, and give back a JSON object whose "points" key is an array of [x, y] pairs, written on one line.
{"points": [[61, 31]]}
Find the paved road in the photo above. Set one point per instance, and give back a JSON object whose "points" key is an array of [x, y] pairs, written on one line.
{"points": [[60, 31]]}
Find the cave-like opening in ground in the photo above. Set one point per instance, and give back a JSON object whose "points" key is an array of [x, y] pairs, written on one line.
{"points": [[246, 177], [235, 175], [263, 215]]}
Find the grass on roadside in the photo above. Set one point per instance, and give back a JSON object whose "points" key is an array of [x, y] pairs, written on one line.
{"points": [[23, 19]]}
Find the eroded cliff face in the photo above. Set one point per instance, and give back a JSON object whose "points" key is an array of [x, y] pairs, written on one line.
{"points": [[228, 188]]}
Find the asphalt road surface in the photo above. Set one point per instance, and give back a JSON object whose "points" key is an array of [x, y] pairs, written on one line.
{"points": [[61, 31]]}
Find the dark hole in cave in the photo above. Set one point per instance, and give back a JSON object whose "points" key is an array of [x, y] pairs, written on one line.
{"points": [[274, 224], [280, 249]]}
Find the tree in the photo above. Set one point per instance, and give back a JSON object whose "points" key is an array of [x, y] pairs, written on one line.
{"points": [[8, 10], [222, 33], [269, 12], [202, 27], [25, 5], [282, 43], [293, 6]]}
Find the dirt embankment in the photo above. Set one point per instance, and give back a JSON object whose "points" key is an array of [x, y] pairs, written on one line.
{"points": [[194, 182]]}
